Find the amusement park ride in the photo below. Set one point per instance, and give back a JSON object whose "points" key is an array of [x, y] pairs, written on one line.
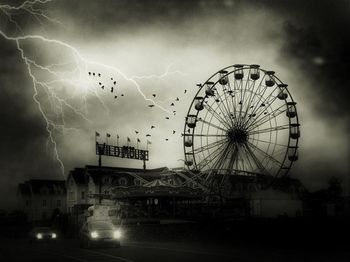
{"points": [[243, 121]]}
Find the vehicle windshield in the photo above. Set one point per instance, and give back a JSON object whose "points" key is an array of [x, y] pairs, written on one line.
{"points": [[102, 226]]}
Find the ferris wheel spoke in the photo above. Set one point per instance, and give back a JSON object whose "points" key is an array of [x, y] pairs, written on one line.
{"points": [[248, 159], [247, 99], [265, 101], [265, 154], [228, 108], [267, 142], [256, 160], [209, 135], [252, 100], [223, 111], [211, 124], [222, 157], [212, 156], [216, 115], [270, 129], [209, 146], [264, 119], [268, 104], [232, 96], [234, 157]]}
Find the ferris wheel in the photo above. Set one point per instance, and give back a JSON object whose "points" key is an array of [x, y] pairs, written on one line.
{"points": [[242, 121]]}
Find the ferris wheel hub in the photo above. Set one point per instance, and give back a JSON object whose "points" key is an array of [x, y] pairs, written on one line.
{"points": [[238, 135]]}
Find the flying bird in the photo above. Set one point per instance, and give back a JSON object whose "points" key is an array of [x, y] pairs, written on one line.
{"points": [[111, 78], [112, 89], [148, 135], [174, 131], [172, 104], [185, 91], [153, 127], [93, 74], [136, 131], [103, 87], [166, 117], [177, 99], [154, 95], [122, 94], [89, 73], [150, 105], [115, 97], [166, 139], [114, 82], [199, 85], [99, 74]]}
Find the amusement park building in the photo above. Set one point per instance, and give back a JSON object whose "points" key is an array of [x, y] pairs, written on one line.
{"points": [[83, 185]]}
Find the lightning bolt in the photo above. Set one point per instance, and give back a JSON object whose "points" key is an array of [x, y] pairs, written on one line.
{"points": [[80, 63]]}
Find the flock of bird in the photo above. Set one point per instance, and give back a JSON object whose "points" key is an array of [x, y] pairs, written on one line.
{"points": [[112, 89]]}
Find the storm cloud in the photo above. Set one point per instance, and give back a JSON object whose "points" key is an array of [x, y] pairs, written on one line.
{"points": [[306, 45]]}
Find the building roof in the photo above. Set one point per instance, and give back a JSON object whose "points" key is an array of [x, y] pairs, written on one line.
{"points": [[147, 175], [79, 176], [36, 187], [157, 183]]}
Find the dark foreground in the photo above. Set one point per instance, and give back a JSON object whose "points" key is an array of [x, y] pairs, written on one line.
{"points": [[68, 250], [240, 241]]}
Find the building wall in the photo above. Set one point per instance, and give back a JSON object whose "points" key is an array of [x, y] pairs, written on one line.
{"points": [[76, 194], [41, 207]]}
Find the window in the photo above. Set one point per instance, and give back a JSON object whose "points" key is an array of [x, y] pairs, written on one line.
{"points": [[71, 195], [44, 203], [58, 203], [122, 181], [82, 194]]}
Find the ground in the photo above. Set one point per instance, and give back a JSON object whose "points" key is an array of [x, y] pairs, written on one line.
{"points": [[240, 241]]}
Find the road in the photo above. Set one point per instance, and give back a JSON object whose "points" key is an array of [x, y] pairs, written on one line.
{"points": [[69, 250]]}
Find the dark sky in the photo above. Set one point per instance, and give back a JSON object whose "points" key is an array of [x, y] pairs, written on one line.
{"points": [[305, 42]]}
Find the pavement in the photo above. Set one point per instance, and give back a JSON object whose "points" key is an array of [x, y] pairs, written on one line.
{"points": [[137, 251]]}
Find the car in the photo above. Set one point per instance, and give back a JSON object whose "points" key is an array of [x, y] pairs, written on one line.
{"points": [[42, 234], [98, 233]]}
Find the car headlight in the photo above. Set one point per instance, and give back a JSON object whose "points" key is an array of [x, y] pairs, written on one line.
{"points": [[94, 234], [117, 234], [53, 235], [39, 236]]}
